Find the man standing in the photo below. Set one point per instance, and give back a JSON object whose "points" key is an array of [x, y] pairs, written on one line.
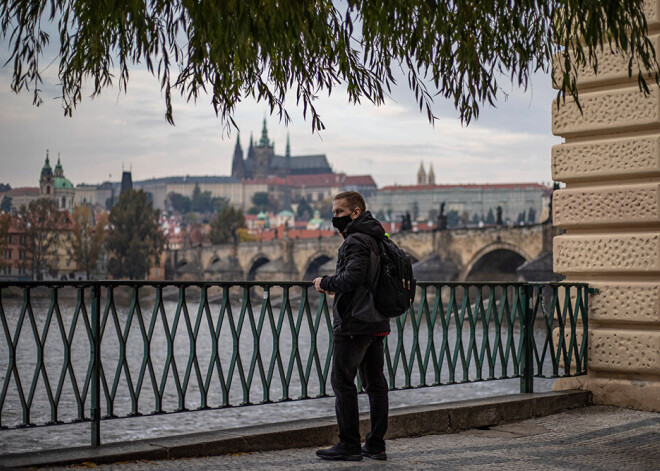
{"points": [[358, 331]]}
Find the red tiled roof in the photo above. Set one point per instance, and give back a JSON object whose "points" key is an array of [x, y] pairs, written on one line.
{"points": [[362, 180], [66, 224], [316, 180], [24, 191], [273, 180], [482, 186]]}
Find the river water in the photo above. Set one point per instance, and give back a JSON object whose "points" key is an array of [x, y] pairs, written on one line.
{"points": [[192, 331]]}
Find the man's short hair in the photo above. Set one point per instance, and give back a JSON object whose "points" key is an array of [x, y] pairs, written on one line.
{"points": [[354, 199]]}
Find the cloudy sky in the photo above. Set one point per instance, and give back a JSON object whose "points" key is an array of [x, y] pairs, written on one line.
{"points": [[510, 143]]}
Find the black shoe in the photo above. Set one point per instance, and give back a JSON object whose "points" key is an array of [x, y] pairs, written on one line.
{"points": [[339, 453], [374, 455]]}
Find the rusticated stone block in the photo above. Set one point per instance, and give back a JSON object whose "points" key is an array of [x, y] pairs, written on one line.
{"points": [[607, 253], [636, 394], [610, 205], [630, 351], [625, 302], [608, 158], [611, 110], [612, 68], [652, 12]]}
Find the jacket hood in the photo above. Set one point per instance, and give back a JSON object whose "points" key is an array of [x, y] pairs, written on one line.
{"points": [[367, 224]]}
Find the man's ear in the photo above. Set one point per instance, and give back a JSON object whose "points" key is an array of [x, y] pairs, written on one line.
{"points": [[358, 211]]}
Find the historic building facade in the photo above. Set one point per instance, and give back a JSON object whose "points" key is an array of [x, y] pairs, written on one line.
{"points": [[424, 200], [52, 185]]}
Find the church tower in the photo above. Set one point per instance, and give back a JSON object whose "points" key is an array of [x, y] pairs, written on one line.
{"points": [[237, 167], [126, 181], [421, 174], [46, 181], [430, 178], [263, 154]]}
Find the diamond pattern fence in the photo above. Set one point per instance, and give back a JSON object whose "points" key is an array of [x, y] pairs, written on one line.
{"points": [[90, 351]]}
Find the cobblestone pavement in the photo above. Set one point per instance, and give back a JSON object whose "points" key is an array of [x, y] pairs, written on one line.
{"points": [[593, 438]]}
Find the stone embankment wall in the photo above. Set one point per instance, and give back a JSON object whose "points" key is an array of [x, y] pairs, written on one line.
{"points": [[610, 209]]}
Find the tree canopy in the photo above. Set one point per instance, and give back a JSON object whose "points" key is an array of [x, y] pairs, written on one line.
{"points": [[40, 223], [5, 222], [225, 226], [88, 238], [134, 239], [266, 49]]}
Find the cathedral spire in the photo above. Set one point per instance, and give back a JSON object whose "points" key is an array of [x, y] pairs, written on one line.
{"points": [[238, 144], [237, 168], [288, 146], [421, 174], [264, 135], [250, 152], [431, 175]]}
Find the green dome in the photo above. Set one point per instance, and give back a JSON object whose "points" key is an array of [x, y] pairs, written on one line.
{"points": [[61, 182], [285, 212], [261, 215]]}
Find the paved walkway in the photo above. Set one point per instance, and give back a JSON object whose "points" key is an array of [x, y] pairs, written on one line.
{"points": [[593, 438]]}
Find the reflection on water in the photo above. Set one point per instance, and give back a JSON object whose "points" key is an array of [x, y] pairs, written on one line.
{"points": [[204, 370]]}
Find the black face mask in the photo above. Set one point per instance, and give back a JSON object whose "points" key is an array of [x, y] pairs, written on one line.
{"points": [[341, 222]]}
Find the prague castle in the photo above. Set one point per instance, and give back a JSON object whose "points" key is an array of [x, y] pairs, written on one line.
{"points": [[261, 161]]}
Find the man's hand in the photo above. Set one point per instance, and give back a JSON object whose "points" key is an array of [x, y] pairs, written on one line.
{"points": [[317, 285]]}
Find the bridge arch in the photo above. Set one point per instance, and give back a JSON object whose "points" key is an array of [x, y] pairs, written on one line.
{"points": [[215, 258], [257, 261], [313, 265], [504, 256]]}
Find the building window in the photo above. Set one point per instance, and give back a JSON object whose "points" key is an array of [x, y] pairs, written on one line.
{"points": [[63, 202], [7, 270], [48, 190], [7, 254]]}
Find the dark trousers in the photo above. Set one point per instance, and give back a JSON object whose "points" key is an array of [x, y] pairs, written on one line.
{"points": [[363, 354]]}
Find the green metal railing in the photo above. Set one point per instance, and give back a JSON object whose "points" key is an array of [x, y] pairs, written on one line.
{"points": [[89, 351]]}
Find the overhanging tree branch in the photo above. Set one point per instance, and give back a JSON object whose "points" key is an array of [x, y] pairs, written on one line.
{"points": [[268, 50]]}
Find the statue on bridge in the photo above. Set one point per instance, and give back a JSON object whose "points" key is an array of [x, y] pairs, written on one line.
{"points": [[499, 215], [442, 219], [406, 224]]}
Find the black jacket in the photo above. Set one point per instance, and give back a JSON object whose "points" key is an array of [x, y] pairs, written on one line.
{"points": [[353, 308]]}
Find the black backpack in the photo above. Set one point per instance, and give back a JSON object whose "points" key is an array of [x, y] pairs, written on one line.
{"points": [[393, 288]]}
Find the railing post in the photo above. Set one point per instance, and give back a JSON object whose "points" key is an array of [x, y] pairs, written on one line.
{"points": [[96, 366], [526, 332]]}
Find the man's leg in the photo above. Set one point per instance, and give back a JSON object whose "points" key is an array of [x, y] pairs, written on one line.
{"points": [[346, 358], [375, 384]]}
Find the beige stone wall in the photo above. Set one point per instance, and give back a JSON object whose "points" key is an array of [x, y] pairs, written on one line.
{"points": [[610, 208]]}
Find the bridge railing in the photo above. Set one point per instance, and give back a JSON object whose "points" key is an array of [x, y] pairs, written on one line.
{"points": [[89, 351]]}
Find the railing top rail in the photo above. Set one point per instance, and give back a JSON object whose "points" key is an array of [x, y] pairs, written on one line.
{"points": [[155, 284]]}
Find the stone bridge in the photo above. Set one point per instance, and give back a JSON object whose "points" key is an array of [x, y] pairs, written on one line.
{"points": [[455, 254]]}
